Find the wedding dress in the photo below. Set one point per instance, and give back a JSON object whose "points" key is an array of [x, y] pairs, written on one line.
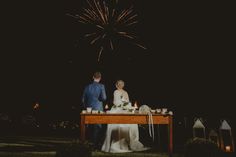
{"points": [[122, 137]]}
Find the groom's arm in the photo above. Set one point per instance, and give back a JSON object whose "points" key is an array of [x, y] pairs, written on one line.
{"points": [[84, 97], [103, 95]]}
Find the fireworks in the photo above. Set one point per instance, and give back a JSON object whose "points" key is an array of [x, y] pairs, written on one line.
{"points": [[109, 24]]}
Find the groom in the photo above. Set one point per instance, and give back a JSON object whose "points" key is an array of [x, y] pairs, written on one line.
{"points": [[93, 96]]}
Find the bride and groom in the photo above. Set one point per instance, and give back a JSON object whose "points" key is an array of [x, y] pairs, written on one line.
{"points": [[119, 137]]}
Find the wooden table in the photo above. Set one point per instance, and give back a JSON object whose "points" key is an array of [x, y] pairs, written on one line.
{"points": [[124, 118]]}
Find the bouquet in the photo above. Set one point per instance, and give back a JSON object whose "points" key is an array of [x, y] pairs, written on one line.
{"points": [[125, 106]]}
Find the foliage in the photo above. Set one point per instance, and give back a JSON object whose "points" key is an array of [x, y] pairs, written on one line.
{"points": [[200, 147], [125, 106], [78, 149]]}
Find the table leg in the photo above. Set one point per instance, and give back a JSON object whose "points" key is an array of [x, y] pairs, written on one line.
{"points": [[82, 128], [170, 136]]}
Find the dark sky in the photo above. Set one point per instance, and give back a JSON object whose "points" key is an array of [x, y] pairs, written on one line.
{"points": [[188, 65]]}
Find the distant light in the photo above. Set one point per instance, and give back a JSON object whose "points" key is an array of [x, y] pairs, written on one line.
{"points": [[227, 148], [36, 106]]}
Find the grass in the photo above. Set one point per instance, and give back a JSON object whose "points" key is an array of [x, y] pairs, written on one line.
{"points": [[27, 154], [133, 154], [94, 154], [21, 146]]}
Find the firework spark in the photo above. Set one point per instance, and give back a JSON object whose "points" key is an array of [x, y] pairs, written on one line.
{"points": [[110, 23]]}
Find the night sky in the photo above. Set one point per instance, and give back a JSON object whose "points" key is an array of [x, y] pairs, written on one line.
{"points": [[188, 65]]}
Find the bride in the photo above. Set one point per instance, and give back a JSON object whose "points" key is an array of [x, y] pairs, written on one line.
{"points": [[121, 137]]}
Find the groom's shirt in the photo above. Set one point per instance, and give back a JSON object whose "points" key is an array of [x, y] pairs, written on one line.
{"points": [[93, 96]]}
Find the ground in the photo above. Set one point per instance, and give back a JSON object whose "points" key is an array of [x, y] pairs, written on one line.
{"points": [[22, 146]]}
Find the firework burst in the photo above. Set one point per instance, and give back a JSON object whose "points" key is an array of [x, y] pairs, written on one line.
{"points": [[109, 22]]}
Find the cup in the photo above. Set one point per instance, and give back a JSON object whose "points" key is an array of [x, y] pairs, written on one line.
{"points": [[153, 111], [158, 110], [164, 110], [170, 113], [133, 110], [83, 111], [89, 109]]}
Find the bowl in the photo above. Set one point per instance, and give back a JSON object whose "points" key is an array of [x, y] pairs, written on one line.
{"points": [[153, 111], [170, 113], [94, 111], [164, 110], [158, 110]]}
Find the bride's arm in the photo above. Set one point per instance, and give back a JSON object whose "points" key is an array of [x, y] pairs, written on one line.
{"points": [[127, 96]]}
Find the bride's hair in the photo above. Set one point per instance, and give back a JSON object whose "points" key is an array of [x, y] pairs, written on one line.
{"points": [[120, 83]]}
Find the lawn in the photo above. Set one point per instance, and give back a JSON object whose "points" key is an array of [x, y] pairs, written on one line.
{"points": [[21, 146]]}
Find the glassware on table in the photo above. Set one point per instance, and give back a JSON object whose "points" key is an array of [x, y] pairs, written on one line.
{"points": [[158, 110], [89, 109], [164, 110]]}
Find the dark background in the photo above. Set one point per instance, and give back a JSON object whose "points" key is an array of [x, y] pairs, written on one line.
{"points": [[188, 66]]}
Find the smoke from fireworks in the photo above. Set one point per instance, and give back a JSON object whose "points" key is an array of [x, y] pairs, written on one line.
{"points": [[109, 23]]}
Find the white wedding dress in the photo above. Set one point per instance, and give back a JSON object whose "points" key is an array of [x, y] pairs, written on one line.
{"points": [[122, 137]]}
